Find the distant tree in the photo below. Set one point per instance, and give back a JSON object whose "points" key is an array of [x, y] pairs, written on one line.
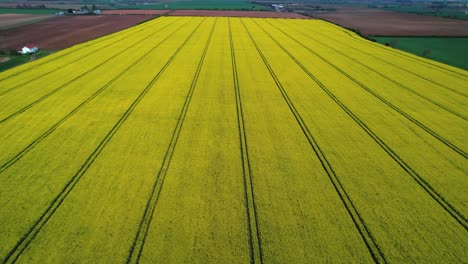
{"points": [[426, 52], [2, 42], [70, 11], [393, 43], [357, 31], [24, 6]]}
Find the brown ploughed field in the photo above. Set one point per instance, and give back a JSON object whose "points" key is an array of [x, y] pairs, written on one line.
{"points": [[221, 13], [135, 12], [380, 22], [14, 20], [8, 17], [63, 32]]}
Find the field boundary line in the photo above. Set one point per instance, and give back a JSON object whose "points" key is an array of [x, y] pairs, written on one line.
{"points": [[399, 53], [25, 241], [385, 76], [75, 61], [27, 107], [94, 41], [388, 78], [139, 242], [28, 148], [371, 244], [255, 241], [379, 97], [458, 216]]}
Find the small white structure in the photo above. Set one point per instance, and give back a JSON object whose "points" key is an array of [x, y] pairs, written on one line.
{"points": [[278, 8], [97, 12], [29, 48], [80, 12]]}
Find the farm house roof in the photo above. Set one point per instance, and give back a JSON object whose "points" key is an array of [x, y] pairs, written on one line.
{"points": [[30, 46]]}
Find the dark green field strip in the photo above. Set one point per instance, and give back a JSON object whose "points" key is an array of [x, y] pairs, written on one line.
{"points": [[105, 110], [430, 174], [395, 75], [8, 114], [431, 64], [140, 238], [448, 50], [255, 241], [436, 135], [458, 73], [301, 218], [404, 55], [203, 181], [365, 233], [37, 140], [60, 55], [418, 178], [27, 84], [428, 212]]}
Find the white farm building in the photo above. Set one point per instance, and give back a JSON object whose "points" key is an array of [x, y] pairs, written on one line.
{"points": [[29, 48]]}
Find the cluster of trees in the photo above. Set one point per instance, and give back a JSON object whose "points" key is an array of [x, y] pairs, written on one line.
{"points": [[83, 8], [30, 6]]}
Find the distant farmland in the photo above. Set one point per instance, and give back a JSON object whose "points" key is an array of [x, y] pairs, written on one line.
{"points": [[63, 32], [233, 140], [386, 23], [16, 20]]}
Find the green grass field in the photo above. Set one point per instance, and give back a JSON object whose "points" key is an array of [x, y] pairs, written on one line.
{"points": [[424, 9], [32, 11], [452, 51], [200, 4], [233, 140]]}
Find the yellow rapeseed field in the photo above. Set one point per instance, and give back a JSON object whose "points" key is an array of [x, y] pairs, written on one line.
{"points": [[233, 140]]}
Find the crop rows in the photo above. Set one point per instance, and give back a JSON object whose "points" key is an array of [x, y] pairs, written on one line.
{"points": [[233, 140]]}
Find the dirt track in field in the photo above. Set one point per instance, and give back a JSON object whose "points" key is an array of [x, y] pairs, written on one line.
{"points": [[220, 13], [386, 23], [63, 32]]}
